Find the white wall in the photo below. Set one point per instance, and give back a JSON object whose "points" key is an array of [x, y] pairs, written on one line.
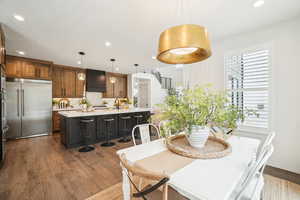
{"points": [[284, 39], [157, 93], [174, 73]]}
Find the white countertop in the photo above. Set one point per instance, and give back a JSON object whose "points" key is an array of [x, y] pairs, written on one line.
{"points": [[66, 109], [102, 112]]}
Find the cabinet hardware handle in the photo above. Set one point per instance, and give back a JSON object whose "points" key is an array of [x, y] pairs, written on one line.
{"points": [[18, 102], [23, 104]]}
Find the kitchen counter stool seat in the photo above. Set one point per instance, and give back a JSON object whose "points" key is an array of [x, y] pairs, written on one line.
{"points": [[86, 134], [126, 128], [108, 132], [138, 121]]}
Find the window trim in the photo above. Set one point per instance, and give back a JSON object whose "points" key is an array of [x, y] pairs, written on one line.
{"points": [[271, 101]]}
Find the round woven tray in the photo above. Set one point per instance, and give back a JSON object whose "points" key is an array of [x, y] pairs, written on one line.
{"points": [[214, 147]]}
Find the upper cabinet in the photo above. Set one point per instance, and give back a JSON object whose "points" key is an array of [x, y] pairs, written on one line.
{"points": [[2, 46], [66, 83], [19, 67], [116, 88]]}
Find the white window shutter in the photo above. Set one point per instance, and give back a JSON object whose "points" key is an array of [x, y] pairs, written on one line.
{"points": [[248, 84]]}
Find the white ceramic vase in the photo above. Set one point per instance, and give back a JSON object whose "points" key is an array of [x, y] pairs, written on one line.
{"points": [[198, 136], [84, 107]]}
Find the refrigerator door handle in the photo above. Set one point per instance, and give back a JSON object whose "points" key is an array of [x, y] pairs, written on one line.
{"points": [[18, 102], [23, 105]]}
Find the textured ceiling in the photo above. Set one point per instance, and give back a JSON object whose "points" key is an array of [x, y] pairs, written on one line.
{"points": [[57, 29]]}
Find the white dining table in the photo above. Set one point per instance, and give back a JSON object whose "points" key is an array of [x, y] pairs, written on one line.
{"points": [[202, 179]]}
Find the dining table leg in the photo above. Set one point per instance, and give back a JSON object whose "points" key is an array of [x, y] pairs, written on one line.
{"points": [[165, 192]]}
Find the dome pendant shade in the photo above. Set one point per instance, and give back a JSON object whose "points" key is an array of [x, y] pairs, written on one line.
{"points": [[184, 44]]}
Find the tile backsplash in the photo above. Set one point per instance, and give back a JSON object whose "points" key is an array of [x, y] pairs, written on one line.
{"points": [[95, 98]]}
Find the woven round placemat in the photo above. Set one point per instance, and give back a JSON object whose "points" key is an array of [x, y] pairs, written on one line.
{"points": [[214, 147]]}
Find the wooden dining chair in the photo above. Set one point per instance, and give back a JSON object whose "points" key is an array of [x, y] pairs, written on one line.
{"points": [[145, 132], [154, 187], [251, 186]]}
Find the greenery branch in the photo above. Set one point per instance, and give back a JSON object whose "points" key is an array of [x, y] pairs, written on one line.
{"points": [[200, 106]]}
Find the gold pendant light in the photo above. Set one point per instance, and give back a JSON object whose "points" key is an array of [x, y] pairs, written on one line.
{"points": [[184, 44]]}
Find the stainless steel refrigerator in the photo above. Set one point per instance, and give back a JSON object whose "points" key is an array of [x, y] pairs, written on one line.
{"points": [[29, 108]]}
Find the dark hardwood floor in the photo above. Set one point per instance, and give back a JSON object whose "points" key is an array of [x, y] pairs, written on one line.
{"points": [[41, 169]]}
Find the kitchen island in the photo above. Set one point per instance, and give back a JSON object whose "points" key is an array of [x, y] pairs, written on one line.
{"points": [[70, 124]]}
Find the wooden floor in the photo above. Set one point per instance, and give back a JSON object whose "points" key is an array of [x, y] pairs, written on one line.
{"points": [[42, 169]]}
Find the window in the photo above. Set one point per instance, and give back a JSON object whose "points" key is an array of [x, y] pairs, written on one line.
{"points": [[248, 76]]}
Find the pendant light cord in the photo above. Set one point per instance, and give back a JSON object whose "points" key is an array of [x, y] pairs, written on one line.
{"points": [[182, 12], [112, 64]]}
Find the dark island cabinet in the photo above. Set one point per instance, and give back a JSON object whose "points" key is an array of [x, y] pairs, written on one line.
{"points": [[71, 135], [104, 128]]}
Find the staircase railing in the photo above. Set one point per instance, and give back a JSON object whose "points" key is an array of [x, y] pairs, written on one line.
{"points": [[157, 75]]}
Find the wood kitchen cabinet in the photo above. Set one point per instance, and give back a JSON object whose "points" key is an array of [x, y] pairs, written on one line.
{"points": [[80, 85], [119, 88], [55, 121], [13, 67], [19, 67], [66, 82], [2, 46]]}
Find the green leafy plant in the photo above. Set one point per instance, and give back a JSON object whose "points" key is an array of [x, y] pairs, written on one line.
{"points": [[84, 102], [55, 102], [200, 106]]}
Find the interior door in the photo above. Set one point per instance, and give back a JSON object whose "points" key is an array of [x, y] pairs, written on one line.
{"points": [[13, 109], [143, 94], [36, 109]]}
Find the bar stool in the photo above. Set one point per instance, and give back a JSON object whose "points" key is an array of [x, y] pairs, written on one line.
{"points": [[126, 128], [86, 134], [108, 131], [138, 121]]}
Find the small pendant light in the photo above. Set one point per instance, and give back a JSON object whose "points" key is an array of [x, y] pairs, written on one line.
{"points": [[81, 76], [112, 79], [136, 67]]}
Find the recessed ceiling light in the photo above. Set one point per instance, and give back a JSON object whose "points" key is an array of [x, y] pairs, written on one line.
{"points": [[21, 52], [79, 62], [107, 44], [117, 68], [154, 57], [19, 17], [258, 3]]}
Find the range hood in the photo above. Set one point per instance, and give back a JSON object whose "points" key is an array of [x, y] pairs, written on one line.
{"points": [[95, 81]]}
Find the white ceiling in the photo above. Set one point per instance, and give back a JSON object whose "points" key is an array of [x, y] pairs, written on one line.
{"points": [[57, 29]]}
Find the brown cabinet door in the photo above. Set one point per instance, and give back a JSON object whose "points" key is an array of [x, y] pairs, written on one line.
{"points": [[29, 69], [2, 46], [56, 121], [119, 88], [57, 86], [80, 84], [110, 88], [44, 71], [122, 87], [69, 83], [13, 67]]}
